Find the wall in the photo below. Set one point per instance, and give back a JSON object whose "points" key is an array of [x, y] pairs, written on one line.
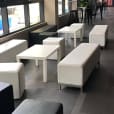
{"points": [[51, 14], [50, 11]]}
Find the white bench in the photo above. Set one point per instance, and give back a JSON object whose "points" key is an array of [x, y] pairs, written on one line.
{"points": [[99, 35], [10, 49], [13, 73], [76, 67]]}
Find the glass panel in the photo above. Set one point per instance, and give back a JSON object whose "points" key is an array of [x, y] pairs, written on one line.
{"points": [[59, 7], [16, 17], [66, 6], [1, 27], [34, 10], [109, 2]]}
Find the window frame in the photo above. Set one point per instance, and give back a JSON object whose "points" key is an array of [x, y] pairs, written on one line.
{"points": [[4, 14]]}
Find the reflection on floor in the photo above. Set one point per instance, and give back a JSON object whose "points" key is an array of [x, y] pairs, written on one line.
{"points": [[98, 96]]}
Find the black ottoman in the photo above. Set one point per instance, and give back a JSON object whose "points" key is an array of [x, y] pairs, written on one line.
{"points": [[6, 98], [30, 106], [44, 35], [34, 35]]}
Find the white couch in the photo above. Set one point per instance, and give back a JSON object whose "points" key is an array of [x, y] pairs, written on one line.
{"points": [[99, 35], [77, 66], [13, 73], [10, 49]]}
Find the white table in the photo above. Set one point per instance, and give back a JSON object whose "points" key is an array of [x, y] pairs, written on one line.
{"points": [[70, 30], [39, 52]]}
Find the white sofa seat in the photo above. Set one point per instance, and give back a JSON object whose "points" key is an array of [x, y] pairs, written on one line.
{"points": [[99, 35], [60, 41], [10, 49], [76, 67], [13, 73]]}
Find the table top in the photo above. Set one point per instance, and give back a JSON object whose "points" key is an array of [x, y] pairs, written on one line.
{"points": [[68, 29], [40, 52], [77, 25]]}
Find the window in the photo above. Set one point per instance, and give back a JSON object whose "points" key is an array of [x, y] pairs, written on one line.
{"points": [[66, 6], [59, 7], [1, 27], [34, 10], [109, 2], [16, 17]]}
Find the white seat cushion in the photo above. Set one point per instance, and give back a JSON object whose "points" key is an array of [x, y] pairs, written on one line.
{"points": [[98, 34], [79, 56]]}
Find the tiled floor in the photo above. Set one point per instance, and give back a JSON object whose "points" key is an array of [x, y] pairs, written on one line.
{"points": [[98, 96]]}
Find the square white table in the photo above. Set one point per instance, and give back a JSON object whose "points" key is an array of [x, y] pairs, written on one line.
{"points": [[70, 30], [39, 52]]}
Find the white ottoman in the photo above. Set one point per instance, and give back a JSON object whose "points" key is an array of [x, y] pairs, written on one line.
{"points": [[98, 35], [80, 33], [13, 73], [56, 41]]}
